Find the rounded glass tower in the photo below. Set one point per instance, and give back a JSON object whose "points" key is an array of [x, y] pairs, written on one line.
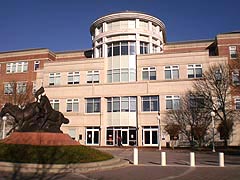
{"points": [[119, 37]]}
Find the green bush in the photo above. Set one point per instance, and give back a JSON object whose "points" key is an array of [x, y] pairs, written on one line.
{"points": [[50, 154]]}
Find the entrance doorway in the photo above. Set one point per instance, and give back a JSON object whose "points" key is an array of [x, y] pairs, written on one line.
{"points": [[121, 136]]}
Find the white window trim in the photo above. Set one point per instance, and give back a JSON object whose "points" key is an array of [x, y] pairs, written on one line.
{"points": [[72, 102], [171, 68]]}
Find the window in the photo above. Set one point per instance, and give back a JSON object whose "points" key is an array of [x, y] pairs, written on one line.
{"points": [[93, 77], [17, 67], [99, 51], [196, 102], [150, 103], [73, 78], [236, 77], [121, 75], [8, 88], [194, 71], [149, 73], [72, 133], [144, 47], [21, 87], [237, 103], [55, 104], [93, 105], [72, 105], [54, 78], [233, 52], [172, 102], [122, 104], [36, 65], [121, 48], [171, 72]]}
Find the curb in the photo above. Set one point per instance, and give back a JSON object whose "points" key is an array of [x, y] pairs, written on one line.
{"points": [[62, 168]]}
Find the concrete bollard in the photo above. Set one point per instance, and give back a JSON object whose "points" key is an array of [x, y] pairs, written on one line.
{"points": [[163, 158], [221, 159], [135, 156], [192, 159]]}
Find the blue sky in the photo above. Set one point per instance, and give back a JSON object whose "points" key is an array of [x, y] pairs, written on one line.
{"points": [[62, 25]]}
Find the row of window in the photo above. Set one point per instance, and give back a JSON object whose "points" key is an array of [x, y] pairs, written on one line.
{"points": [[120, 104], [20, 67], [127, 75], [129, 104], [127, 48], [74, 77], [21, 88], [172, 72]]}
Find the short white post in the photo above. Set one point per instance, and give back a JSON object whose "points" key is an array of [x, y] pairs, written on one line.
{"points": [[221, 159], [163, 158], [135, 156], [192, 159]]}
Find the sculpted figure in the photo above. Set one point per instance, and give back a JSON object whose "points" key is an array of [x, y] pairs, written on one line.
{"points": [[35, 116]]}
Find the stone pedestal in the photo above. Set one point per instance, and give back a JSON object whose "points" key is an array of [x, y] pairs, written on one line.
{"points": [[40, 139]]}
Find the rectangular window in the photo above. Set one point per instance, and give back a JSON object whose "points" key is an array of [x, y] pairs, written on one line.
{"points": [[150, 103], [73, 78], [233, 52], [144, 47], [171, 72], [149, 73], [55, 104], [93, 77], [36, 65], [93, 105], [194, 71], [72, 105], [196, 102], [237, 103], [17, 67], [54, 78], [122, 104], [8, 88], [116, 48], [172, 102], [236, 77], [21, 87]]}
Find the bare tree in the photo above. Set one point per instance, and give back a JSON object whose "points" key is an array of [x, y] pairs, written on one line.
{"points": [[17, 93], [192, 118], [215, 87], [173, 130]]}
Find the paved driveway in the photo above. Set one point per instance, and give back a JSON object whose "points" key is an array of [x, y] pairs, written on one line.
{"points": [[149, 168]]}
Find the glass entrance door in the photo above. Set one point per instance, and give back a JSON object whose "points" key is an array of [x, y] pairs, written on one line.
{"points": [[92, 136], [121, 136]]}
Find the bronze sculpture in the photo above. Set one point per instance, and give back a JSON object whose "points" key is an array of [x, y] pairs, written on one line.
{"points": [[38, 116]]}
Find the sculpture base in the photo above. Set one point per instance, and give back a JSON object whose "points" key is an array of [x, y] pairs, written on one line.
{"points": [[40, 139]]}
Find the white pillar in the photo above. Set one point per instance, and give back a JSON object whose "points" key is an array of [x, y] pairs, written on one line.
{"points": [[192, 159], [135, 156], [4, 118], [163, 158], [221, 159]]}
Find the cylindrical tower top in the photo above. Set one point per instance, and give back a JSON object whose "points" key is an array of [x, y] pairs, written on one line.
{"points": [[145, 32], [128, 15]]}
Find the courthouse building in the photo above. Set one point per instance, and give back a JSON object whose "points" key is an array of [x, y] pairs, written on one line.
{"points": [[117, 88]]}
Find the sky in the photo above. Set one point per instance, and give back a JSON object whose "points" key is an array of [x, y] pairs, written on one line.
{"points": [[63, 25]]}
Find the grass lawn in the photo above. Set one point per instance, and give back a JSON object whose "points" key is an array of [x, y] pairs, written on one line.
{"points": [[50, 154]]}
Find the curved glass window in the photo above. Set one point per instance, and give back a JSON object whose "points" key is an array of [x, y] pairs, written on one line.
{"points": [[121, 48]]}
